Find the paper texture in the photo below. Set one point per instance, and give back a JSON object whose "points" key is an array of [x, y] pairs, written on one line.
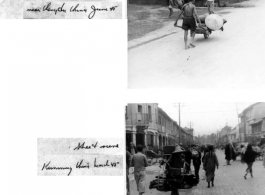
{"points": [[61, 9], [73, 157]]}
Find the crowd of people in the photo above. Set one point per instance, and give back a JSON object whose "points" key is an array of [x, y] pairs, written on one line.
{"points": [[198, 155]]}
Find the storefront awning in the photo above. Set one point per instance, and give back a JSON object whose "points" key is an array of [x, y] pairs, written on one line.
{"points": [[256, 122], [150, 132]]}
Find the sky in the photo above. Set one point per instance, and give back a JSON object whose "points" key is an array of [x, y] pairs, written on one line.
{"points": [[205, 118]]}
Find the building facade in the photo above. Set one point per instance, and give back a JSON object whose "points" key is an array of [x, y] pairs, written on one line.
{"points": [[149, 125], [223, 136], [252, 123]]}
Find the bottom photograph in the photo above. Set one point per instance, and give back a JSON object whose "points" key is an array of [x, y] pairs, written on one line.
{"points": [[195, 148]]}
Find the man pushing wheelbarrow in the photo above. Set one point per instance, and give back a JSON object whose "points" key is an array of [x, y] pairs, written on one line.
{"points": [[190, 13], [212, 22]]}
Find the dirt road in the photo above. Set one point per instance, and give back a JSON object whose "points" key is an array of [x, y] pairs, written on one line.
{"points": [[234, 58]]}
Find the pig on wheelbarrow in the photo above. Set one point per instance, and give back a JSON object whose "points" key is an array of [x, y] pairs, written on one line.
{"points": [[209, 23]]}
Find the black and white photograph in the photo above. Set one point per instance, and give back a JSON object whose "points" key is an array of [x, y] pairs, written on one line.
{"points": [[135, 97], [195, 148], [195, 44]]}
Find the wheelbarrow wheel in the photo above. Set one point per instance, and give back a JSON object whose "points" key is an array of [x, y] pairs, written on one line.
{"points": [[206, 35]]}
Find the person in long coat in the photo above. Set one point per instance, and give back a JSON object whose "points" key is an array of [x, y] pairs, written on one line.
{"points": [[197, 163], [228, 153], [249, 158], [263, 151], [205, 150], [209, 164], [188, 157]]}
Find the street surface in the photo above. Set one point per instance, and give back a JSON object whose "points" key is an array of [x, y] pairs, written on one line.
{"points": [[233, 58], [228, 180]]}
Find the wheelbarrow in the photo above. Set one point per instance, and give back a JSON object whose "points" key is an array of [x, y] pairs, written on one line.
{"points": [[203, 29]]}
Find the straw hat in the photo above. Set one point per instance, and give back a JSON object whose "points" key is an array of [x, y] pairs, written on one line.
{"points": [[178, 149]]}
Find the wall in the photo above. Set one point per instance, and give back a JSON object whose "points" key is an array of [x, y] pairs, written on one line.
{"points": [[133, 116]]}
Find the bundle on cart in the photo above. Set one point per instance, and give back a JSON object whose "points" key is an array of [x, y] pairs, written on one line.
{"points": [[174, 175]]}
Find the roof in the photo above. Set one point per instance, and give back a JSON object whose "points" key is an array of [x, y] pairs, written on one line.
{"points": [[251, 106], [164, 113]]}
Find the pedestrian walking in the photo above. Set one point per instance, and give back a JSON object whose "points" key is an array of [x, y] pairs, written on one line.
{"points": [[205, 150], [139, 162], [249, 157], [128, 162], [210, 6], [174, 4], [188, 156], [263, 156], [243, 150], [189, 23], [228, 153], [209, 164], [233, 154], [133, 149], [196, 159]]}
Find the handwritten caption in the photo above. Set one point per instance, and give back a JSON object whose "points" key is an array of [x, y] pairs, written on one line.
{"points": [[79, 165], [91, 11], [69, 156]]}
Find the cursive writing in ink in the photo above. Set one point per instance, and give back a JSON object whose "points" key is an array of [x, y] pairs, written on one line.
{"points": [[101, 165], [33, 10], [112, 164], [80, 166], [47, 167], [55, 10], [76, 9], [82, 146], [94, 9], [110, 146], [113, 8]]}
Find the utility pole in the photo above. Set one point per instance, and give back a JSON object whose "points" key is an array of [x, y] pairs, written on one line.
{"points": [[238, 124], [190, 124], [179, 126], [175, 105], [179, 114]]}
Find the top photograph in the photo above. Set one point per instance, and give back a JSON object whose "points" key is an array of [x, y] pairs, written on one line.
{"points": [[196, 44]]}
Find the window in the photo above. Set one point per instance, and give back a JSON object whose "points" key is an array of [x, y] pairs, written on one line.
{"points": [[256, 128], [140, 108], [159, 120], [149, 113]]}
